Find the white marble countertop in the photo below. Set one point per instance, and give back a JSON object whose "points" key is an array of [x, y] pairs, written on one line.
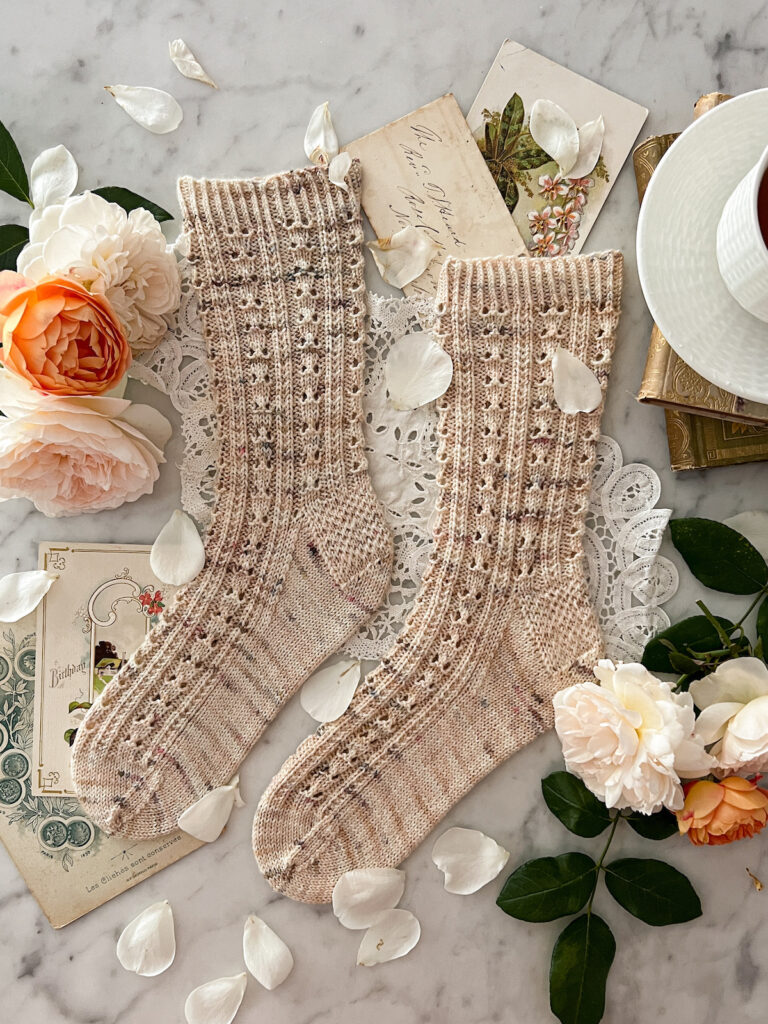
{"points": [[374, 61]]}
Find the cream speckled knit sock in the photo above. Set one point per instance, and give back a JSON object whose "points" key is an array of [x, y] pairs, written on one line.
{"points": [[503, 619], [298, 553]]}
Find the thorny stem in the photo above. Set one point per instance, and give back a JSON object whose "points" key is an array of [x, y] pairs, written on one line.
{"points": [[599, 864]]}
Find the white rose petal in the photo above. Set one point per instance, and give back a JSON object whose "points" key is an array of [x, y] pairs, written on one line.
{"points": [[417, 371], [631, 738], [147, 945], [216, 1002], [555, 131], [52, 177], [404, 256], [327, 693], [754, 526], [591, 137], [393, 934], [205, 819], [266, 955], [153, 109], [187, 63], [734, 715], [338, 169], [468, 858], [360, 895], [178, 554], [320, 142], [22, 592], [577, 389]]}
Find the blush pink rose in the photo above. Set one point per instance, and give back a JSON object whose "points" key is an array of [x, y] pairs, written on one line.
{"points": [[70, 455]]}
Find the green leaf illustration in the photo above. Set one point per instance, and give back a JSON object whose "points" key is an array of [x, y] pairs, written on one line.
{"points": [[581, 960], [13, 177], [654, 891], [131, 201], [509, 149], [511, 124], [695, 634], [719, 557], [578, 809], [657, 826], [528, 154], [548, 887], [13, 238]]}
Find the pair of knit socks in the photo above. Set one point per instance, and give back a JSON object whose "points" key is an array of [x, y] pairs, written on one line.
{"points": [[299, 555]]}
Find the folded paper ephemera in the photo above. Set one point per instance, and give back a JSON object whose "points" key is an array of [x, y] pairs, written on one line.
{"points": [[426, 170], [70, 866], [553, 213]]}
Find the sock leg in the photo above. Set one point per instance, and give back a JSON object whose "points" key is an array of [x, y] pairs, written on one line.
{"points": [[298, 553], [503, 618]]}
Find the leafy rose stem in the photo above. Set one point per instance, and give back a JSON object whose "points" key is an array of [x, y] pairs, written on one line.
{"points": [[599, 865]]}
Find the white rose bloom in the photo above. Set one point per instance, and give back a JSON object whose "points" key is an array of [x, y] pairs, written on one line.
{"points": [[734, 715], [630, 739], [122, 256]]}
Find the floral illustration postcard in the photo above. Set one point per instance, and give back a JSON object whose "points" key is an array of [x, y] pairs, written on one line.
{"points": [[554, 214], [94, 616], [425, 170]]}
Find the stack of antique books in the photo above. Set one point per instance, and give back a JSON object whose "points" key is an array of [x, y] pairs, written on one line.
{"points": [[706, 426]]}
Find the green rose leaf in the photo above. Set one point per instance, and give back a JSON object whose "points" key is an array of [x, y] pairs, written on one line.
{"points": [[654, 891], [762, 623], [719, 557], [578, 809], [661, 825], [130, 201], [13, 238], [548, 887], [13, 177], [581, 960], [694, 634]]}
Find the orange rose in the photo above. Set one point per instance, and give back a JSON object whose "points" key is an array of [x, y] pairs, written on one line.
{"points": [[59, 337], [721, 812]]}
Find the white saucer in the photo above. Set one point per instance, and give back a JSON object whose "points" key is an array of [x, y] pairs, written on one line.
{"points": [[676, 256]]}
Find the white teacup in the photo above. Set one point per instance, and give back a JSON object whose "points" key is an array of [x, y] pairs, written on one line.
{"points": [[742, 254]]}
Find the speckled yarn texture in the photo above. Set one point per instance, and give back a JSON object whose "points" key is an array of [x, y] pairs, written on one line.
{"points": [[298, 553], [503, 619]]}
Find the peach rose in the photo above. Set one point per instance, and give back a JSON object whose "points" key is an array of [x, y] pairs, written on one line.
{"points": [[59, 337], [721, 812], [70, 455]]}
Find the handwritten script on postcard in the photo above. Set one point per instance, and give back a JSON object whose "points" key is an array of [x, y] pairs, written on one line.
{"points": [[426, 170]]}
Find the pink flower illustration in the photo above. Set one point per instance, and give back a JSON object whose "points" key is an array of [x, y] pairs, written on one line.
{"points": [[545, 244], [540, 221], [552, 188], [578, 188]]}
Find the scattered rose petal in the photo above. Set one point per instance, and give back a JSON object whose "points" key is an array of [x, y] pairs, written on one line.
{"points": [[266, 955], [205, 819], [753, 526], [178, 554], [468, 858], [404, 256], [555, 131], [22, 592], [147, 945], [338, 169], [577, 389], [362, 894], [187, 63], [327, 693], [153, 109], [216, 1002], [52, 177], [417, 371], [393, 934], [591, 137], [320, 142]]}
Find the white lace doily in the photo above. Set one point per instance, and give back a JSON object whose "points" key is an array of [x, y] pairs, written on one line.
{"points": [[628, 579]]}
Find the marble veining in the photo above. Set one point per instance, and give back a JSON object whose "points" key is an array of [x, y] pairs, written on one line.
{"points": [[374, 62]]}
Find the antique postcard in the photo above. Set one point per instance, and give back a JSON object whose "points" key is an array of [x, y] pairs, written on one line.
{"points": [[52, 665], [426, 170], [554, 215]]}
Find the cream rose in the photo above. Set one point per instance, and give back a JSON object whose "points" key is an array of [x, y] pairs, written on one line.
{"points": [[630, 738], [122, 256], [734, 715], [70, 455]]}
